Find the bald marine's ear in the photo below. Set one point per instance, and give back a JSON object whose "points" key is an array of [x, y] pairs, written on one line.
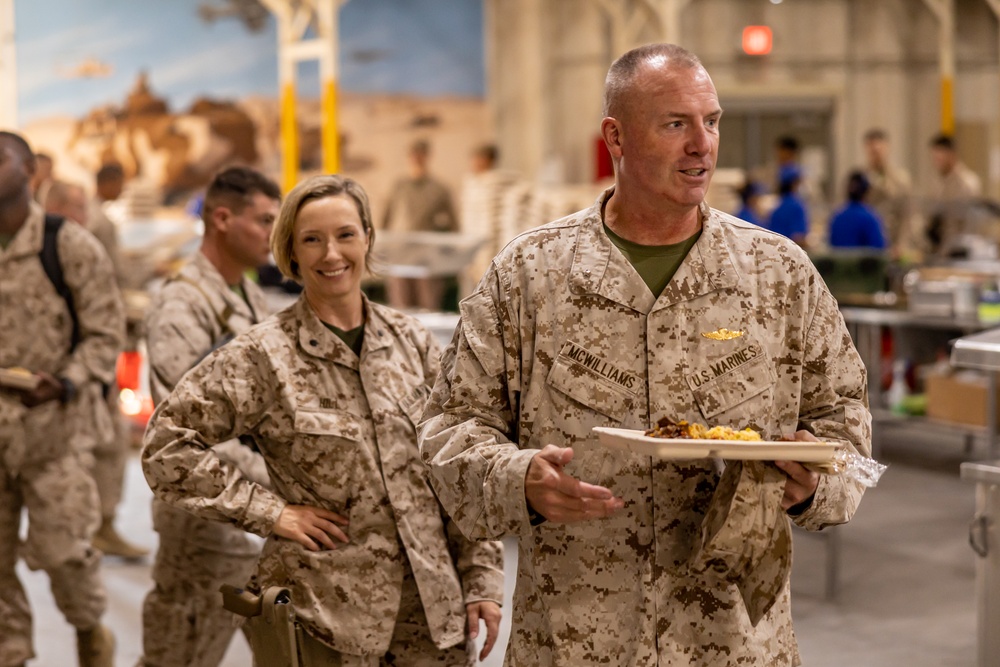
{"points": [[611, 131]]}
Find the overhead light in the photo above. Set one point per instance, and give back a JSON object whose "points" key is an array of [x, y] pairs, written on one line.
{"points": [[757, 40], [775, 2]]}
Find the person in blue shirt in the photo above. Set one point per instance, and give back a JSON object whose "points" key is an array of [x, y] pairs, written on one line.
{"points": [[750, 196], [790, 218], [856, 225]]}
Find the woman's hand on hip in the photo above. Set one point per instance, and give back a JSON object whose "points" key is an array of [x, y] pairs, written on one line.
{"points": [[489, 613], [312, 527]]}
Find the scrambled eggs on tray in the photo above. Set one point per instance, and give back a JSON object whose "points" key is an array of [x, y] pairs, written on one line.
{"points": [[668, 428]]}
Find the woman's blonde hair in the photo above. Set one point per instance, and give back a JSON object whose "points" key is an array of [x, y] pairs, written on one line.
{"points": [[316, 187]]}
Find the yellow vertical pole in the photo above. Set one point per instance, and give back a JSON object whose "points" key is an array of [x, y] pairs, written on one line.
{"points": [[287, 65], [289, 138], [947, 106], [947, 56], [331, 135], [327, 11]]}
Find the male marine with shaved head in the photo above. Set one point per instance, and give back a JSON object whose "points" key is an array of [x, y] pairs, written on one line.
{"points": [[648, 304]]}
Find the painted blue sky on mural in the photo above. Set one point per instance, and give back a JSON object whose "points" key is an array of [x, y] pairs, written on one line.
{"points": [[422, 47]]}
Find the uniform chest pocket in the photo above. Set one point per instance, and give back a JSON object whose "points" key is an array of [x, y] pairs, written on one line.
{"points": [[325, 450], [593, 391], [413, 403], [742, 396], [328, 422]]}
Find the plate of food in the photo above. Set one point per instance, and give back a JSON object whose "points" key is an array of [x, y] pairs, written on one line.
{"points": [[18, 378], [682, 440]]}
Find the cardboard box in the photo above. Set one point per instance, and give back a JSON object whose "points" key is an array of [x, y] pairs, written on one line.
{"points": [[958, 397]]}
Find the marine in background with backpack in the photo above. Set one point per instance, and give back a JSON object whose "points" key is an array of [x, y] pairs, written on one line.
{"points": [[40, 468], [201, 308], [104, 445]]}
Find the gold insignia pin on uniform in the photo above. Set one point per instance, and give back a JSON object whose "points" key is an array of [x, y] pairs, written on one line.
{"points": [[723, 334]]}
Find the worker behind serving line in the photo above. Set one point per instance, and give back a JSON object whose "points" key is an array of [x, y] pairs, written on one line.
{"points": [[856, 224], [951, 198], [207, 303], [790, 217], [330, 390], [750, 194], [890, 194], [66, 337], [484, 188], [648, 304], [418, 203]]}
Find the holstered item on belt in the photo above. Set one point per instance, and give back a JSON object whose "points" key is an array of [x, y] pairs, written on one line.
{"points": [[270, 624]]}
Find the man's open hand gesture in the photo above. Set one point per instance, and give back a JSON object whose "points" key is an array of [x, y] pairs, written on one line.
{"points": [[561, 498]]}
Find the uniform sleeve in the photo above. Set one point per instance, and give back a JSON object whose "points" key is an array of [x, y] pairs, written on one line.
{"points": [[249, 462], [99, 308], [479, 565], [222, 398], [834, 407], [178, 334], [468, 435]]}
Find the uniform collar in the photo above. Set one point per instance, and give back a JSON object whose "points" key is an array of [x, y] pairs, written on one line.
{"points": [[202, 270], [709, 266], [600, 268], [29, 238], [318, 341]]}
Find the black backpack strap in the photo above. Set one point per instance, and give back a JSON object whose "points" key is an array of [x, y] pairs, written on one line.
{"points": [[53, 269]]}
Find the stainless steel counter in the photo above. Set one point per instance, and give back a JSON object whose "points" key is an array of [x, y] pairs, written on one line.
{"points": [[900, 317], [984, 538], [987, 472], [915, 336], [980, 350]]}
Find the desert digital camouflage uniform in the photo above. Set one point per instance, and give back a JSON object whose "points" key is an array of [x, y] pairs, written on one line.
{"points": [[40, 467], [104, 445], [563, 335], [339, 433], [951, 200], [184, 624], [892, 198], [102, 227]]}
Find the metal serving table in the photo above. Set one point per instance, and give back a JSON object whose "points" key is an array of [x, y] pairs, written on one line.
{"points": [[921, 333], [984, 538], [982, 351], [865, 326]]}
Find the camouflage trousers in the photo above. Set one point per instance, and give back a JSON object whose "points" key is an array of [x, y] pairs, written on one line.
{"points": [[108, 470], [61, 501], [104, 446], [183, 622], [411, 644]]}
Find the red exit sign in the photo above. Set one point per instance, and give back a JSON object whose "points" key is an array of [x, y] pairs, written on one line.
{"points": [[757, 40]]}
